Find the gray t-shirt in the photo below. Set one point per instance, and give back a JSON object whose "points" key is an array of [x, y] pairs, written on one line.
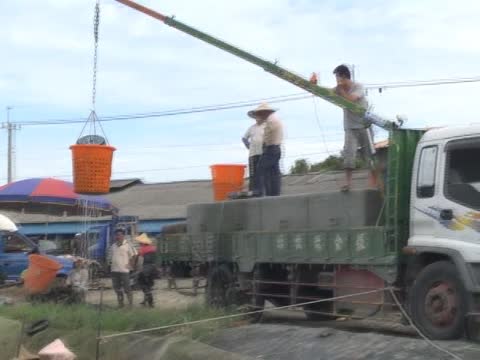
{"points": [[351, 121]]}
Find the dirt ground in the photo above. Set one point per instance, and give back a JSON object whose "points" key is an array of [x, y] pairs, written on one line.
{"points": [[289, 335], [164, 298]]}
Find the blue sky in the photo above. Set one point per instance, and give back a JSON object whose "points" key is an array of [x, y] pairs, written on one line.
{"points": [[146, 66]]}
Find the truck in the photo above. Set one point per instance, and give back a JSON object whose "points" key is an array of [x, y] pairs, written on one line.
{"points": [[419, 238], [15, 249]]}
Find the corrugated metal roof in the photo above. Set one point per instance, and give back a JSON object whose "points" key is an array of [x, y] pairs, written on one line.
{"points": [[170, 200]]}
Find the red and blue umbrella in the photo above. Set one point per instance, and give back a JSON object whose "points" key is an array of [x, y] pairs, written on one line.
{"points": [[51, 196]]}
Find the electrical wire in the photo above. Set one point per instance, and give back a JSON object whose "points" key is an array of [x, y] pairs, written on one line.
{"points": [[417, 83], [63, 176], [175, 112]]}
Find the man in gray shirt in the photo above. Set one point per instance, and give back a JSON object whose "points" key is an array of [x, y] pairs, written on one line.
{"points": [[358, 133]]}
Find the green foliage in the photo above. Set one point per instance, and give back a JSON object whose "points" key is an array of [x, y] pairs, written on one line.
{"points": [[75, 317], [77, 325], [300, 166], [331, 163]]}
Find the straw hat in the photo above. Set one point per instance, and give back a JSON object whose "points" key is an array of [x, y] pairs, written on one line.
{"points": [[144, 239], [263, 107]]}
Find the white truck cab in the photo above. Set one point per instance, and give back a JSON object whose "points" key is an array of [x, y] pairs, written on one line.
{"points": [[445, 227]]}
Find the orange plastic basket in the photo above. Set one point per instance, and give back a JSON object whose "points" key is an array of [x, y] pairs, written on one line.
{"points": [[40, 274], [92, 168], [227, 178]]}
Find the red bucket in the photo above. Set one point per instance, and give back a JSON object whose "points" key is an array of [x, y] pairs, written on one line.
{"points": [[40, 274], [227, 178]]}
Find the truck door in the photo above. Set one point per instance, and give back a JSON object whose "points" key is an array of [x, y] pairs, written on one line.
{"points": [[459, 203], [14, 250], [426, 187]]}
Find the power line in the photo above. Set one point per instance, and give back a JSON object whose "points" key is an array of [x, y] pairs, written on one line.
{"points": [[63, 176], [182, 111], [417, 83], [193, 147]]}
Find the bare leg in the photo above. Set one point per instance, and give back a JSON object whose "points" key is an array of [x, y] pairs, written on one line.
{"points": [[348, 179]]}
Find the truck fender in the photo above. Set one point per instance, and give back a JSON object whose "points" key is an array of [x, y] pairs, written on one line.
{"points": [[471, 280]]}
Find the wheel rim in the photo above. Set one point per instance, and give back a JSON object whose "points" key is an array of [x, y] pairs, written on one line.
{"points": [[441, 304]]}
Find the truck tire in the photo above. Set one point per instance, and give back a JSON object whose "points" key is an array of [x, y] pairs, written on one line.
{"points": [[220, 279], [438, 301]]}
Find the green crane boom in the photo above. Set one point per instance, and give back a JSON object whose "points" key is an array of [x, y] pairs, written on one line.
{"points": [[322, 92]]}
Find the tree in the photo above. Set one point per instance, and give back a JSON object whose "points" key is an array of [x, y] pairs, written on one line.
{"points": [[333, 162], [300, 166]]}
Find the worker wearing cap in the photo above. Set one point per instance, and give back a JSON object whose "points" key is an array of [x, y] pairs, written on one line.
{"points": [[148, 268], [122, 258], [253, 141], [358, 133], [268, 179]]}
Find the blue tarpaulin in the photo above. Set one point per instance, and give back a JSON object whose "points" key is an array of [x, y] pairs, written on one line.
{"points": [[65, 228]]}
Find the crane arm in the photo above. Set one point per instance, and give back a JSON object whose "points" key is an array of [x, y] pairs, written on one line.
{"points": [[322, 92]]}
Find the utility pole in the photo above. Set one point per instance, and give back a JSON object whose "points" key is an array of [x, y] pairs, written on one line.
{"points": [[10, 127]]}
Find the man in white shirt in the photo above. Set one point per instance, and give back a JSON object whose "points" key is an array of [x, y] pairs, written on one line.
{"points": [[122, 255], [268, 178], [253, 141]]}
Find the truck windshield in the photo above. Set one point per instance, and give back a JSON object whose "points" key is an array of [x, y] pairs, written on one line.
{"points": [[14, 242], [463, 174]]}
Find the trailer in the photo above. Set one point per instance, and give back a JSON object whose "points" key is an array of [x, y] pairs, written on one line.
{"points": [[419, 238]]}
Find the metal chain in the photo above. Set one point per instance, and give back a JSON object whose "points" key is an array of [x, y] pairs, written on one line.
{"points": [[96, 23]]}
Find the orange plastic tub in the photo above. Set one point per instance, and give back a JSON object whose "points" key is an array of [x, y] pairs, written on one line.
{"points": [[40, 274], [227, 178], [92, 168]]}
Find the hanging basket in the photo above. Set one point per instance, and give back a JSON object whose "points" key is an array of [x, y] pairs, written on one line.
{"points": [[92, 168]]}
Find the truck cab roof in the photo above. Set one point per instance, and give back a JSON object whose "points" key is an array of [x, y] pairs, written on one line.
{"points": [[450, 132], [6, 224]]}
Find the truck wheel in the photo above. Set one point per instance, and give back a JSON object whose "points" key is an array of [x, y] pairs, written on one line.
{"points": [[438, 301], [220, 279]]}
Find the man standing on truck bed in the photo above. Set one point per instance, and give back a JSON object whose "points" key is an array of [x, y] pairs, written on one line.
{"points": [[253, 141], [268, 174], [357, 132], [122, 257]]}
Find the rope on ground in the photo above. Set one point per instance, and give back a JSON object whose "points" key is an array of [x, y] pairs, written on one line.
{"points": [[424, 337], [141, 331]]}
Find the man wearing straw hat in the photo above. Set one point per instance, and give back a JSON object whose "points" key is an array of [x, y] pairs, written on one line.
{"points": [[148, 268], [122, 257], [268, 178], [253, 141]]}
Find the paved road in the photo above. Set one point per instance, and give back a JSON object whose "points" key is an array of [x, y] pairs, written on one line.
{"points": [[293, 342]]}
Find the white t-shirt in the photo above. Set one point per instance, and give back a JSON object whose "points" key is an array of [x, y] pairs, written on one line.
{"points": [[121, 256], [254, 135], [273, 131]]}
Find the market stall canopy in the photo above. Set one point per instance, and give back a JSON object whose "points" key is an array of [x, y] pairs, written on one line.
{"points": [[51, 197]]}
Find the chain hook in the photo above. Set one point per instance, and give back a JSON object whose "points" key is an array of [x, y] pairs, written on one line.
{"points": [[93, 120], [96, 24]]}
